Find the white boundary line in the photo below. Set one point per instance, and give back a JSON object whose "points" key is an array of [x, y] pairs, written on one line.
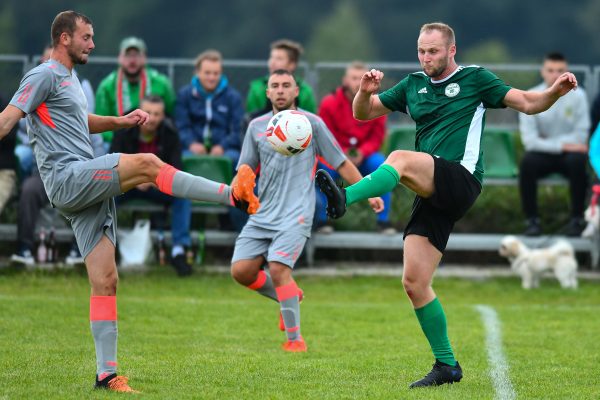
{"points": [[498, 365]]}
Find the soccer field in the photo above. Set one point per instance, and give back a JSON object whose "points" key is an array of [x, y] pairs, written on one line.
{"points": [[208, 338]]}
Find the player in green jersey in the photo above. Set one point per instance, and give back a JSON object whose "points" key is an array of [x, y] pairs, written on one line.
{"points": [[448, 103]]}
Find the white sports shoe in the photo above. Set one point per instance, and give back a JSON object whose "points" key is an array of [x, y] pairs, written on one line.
{"points": [[23, 257], [74, 258]]}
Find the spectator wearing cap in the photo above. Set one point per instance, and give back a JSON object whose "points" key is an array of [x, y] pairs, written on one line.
{"points": [[122, 90]]}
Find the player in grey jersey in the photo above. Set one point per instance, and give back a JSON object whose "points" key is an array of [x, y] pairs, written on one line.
{"points": [[82, 187], [277, 233]]}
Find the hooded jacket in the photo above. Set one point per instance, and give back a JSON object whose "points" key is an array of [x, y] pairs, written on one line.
{"points": [[216, 116]]}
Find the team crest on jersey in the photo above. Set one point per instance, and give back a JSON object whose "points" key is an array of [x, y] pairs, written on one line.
{"points": [[452, 90]]}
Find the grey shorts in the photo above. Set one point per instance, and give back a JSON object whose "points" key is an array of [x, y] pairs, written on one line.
{"points": [[281, 246], [85, 198]]}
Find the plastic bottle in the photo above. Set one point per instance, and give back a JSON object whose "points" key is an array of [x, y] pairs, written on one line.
{"points": [[162, 254], [353, 151], [208, 140], [52, 249], [200, 252], [189, 254], [42, 250]]}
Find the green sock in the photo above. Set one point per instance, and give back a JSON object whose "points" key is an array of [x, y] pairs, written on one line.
{"points": [[384, 179], [433, 322]]}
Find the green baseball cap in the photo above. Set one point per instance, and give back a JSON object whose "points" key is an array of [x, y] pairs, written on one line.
{"points": [[132, 42]]}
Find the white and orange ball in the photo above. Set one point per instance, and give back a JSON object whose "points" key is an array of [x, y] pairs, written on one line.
{"points": [[289, 132]]}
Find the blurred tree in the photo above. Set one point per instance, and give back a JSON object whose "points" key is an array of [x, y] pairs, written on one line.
{"points": [[340, 29], [341, 36], [488, 51], [7, 27]]}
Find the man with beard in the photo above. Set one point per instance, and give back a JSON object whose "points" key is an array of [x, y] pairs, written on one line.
{"points": [[122, 90], [448, 103], [276, 235], [82, 187]]}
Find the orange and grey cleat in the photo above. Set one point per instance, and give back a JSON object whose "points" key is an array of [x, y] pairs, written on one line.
{"points": [[295, 346], [116, 383], [281, 323], [242, 190]]}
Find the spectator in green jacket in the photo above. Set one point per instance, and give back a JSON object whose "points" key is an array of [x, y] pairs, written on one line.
{"points": [[285, 54], [122, 90]]}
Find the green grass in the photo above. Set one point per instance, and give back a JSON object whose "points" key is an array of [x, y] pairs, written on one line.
{"points": [[208, 338]]}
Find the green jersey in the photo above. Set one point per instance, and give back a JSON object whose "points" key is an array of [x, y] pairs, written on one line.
{"points": [[450, 113], [116, 96]]}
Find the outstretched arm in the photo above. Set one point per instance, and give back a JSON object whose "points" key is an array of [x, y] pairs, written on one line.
{"points": [[366, 104], [8, 118], [537, 102], [99, 123]]}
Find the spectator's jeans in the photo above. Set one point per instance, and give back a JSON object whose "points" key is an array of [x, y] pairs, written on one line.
{"points": [[536, 165], [31, 201], [368, 165], [8, 180], [180, 208], [25, 155]]}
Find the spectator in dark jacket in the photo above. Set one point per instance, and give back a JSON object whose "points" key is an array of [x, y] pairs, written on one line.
{"points": [[159, 137], [8, 164], [209, 112]]}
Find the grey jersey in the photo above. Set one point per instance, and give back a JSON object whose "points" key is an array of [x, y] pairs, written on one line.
{"points": [[57, 120], [286, 187]]}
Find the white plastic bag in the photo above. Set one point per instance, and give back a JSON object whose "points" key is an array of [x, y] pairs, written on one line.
{"points": [[135, 246]]}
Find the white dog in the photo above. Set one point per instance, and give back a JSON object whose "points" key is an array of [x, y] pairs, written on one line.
{"points": [[592, 217], [531, 263]]}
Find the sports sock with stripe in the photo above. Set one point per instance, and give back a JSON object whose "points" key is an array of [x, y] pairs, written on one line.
{"points": [[433, 322], [289, 301], [383, 180], [103, 322], [264, 285], [177, 183]]}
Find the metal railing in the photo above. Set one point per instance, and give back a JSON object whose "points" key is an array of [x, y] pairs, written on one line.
{"points": [[324, 77]]}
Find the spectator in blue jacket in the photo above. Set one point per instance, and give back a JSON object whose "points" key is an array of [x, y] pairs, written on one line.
{"points": [[209, 112]]}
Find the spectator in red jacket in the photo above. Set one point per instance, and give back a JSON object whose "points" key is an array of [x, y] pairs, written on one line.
{"points": [[360, 140]]}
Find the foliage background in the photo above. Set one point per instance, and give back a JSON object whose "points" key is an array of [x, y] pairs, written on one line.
{"points": [[487, 30]]}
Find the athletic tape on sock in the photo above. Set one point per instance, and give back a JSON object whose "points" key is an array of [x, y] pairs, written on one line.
{"points": [[259, 282], [103, 308], [287, 291], [164, 179]]}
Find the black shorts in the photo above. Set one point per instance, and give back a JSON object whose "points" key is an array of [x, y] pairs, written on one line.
{"points": [[455, 192]]}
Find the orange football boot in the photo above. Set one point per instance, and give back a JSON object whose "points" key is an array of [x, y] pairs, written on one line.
{"points": [[116, 383], [295, 346], [242, 190]]}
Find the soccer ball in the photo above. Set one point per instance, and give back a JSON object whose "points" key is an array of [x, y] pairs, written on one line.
{"points": [[289, 132]]}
